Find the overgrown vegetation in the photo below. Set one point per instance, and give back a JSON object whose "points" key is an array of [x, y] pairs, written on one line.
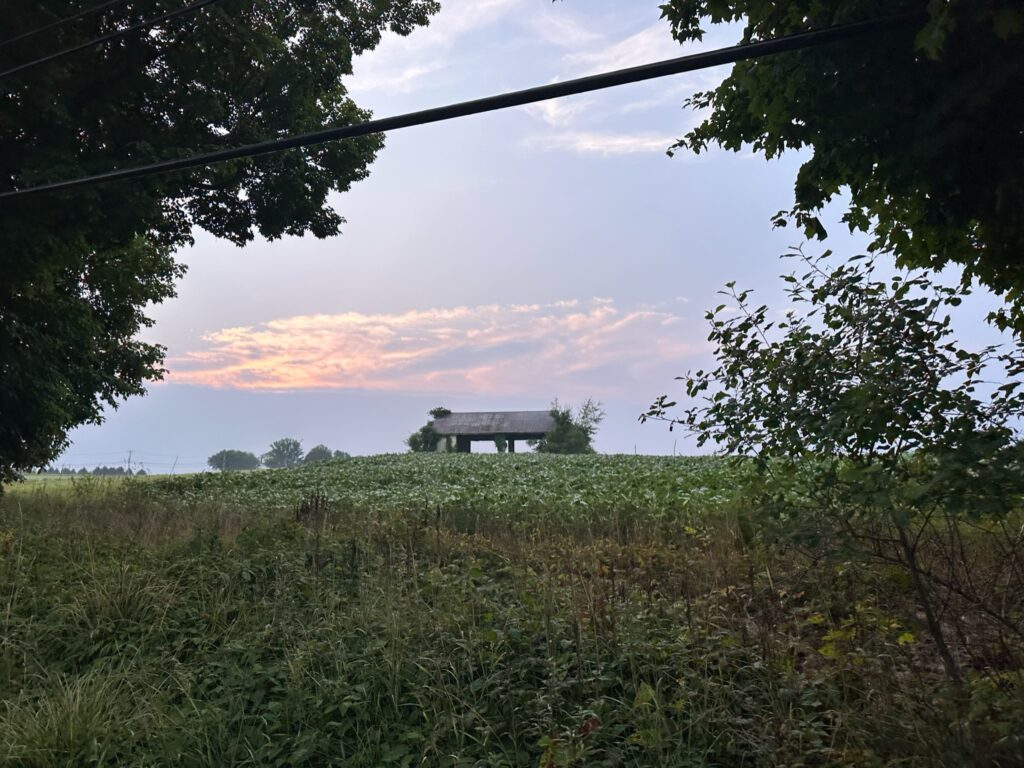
{"points": [[573, 432], [870, 426], [480, 610], [426, 438]]}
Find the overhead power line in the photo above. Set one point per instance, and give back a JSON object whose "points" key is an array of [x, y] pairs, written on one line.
{"points": [[676, 66], [62, 22], [111, 36]]}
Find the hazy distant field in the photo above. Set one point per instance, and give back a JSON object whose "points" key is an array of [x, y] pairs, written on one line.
{"points": [[453, 610], [34, 484], [31, 481]]}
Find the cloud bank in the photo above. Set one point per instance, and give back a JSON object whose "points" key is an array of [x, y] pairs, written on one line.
{"points": [[571, 348]]}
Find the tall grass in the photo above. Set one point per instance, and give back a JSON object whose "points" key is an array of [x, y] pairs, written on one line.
{"points": [[172, 629]]}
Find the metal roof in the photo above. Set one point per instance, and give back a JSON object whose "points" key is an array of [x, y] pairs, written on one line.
{"points": [[496, 423]]}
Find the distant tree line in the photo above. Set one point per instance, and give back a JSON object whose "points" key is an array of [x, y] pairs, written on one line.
{"points": [[283, 453], [95, 471]]}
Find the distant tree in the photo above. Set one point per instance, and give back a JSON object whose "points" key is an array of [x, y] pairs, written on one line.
{"points": [[426, 438], [573, 433], [317, 454], [342, 455], [501, 443], [233, 461], [83, 471], [286, 452], [141, 473]]}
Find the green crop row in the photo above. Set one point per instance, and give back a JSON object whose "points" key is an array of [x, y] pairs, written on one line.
{"points": [[522, 490]]}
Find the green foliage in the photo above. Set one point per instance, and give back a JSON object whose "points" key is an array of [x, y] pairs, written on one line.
{"points": [[426, 438], [283, 453], [68, 315], [572, 433], [233, 461], [78, 269], [870, 425], [602, 492], [864, 372], [492, 620], [501, 443], [318, 453], [893, 118]]}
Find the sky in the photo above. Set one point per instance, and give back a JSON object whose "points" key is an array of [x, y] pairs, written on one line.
{"points": [[495, 262]]}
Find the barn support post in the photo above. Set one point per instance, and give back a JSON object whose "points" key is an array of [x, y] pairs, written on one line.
{"points": [[462, 444], [511, 445]]}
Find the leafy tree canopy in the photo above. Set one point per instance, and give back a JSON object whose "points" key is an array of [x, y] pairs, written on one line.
{"points": [[317, 454], [921, 124], [233, 461], [286, 452], [573, 433], [77, 269]]}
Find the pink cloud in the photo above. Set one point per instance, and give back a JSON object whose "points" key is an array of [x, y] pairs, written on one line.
{"points": [[572, 347]]}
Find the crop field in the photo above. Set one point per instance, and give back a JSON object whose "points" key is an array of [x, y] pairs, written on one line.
{"points": [[469, 610], [572, 492]]}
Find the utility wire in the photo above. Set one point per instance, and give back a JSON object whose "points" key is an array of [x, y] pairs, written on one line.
{"points": [[61, 22], [676, 66], [111, 35]]}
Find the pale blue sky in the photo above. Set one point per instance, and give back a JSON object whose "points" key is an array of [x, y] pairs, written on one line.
{"points": [[493, 262]]}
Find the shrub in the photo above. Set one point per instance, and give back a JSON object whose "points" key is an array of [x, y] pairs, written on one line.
{"points": [[573, 433], [426, 438], [874, 432]]}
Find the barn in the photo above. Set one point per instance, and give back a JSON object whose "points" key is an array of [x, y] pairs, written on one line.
{"points": [[471, 427]]}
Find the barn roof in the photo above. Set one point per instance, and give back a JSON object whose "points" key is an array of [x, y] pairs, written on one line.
{"points": [[496, 423]]}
